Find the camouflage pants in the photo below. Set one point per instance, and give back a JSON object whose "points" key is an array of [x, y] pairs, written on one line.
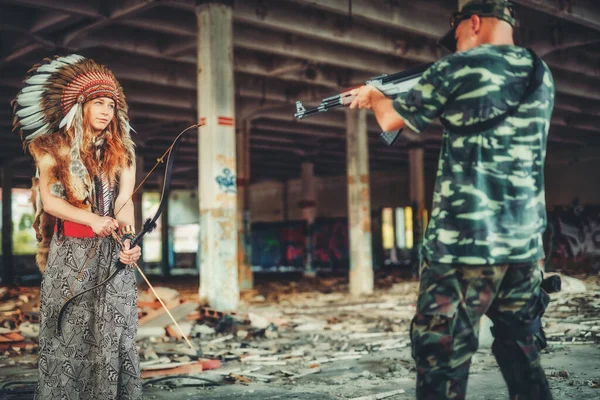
{"points": [[444, 332]]}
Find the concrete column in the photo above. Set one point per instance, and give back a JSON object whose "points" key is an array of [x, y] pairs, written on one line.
{"points": [[245, 278], [309, 212], [7, 227], [417, 193], [217, 159], [359, 203]]}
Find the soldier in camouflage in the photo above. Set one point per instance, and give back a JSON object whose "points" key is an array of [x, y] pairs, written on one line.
{"points": [[483, 243]]}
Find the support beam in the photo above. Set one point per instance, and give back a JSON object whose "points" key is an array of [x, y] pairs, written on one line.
{"points": [[359, 204], [308, 50], [407, 16], [217, 159], [245, 277], [309, 212], [124, 9], [49, 20], [7, 227], [580, 12], [72, 7], [337, 30]]}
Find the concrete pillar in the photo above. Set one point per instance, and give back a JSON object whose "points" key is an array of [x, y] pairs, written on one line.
{"points": [[417, 194], [309, 212], [217, 160], [7, 227], [245, 278], [359, 203]]}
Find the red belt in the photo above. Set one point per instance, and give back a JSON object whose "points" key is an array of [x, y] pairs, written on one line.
{"points": [[74, 229]]}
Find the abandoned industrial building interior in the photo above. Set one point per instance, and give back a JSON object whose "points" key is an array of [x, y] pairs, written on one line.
{"points": [[300, 199]]}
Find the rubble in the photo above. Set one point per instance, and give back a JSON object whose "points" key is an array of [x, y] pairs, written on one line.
{"points": [[286, 336], [572, 315], [381, 395]]}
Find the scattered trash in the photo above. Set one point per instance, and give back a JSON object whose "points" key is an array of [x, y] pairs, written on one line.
{"points": [[286, 333]]}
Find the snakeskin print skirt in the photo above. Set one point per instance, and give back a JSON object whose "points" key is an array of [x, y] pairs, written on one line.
{"points": [[95, 357]]}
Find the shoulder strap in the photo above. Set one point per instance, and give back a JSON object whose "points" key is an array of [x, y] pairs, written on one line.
{"points": [[536, 78]]}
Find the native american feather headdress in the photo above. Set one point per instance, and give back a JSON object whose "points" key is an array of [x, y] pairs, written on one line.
{"points": [[54, 94]]}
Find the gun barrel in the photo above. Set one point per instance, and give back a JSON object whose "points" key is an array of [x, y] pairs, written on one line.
{"points": [[390, 85], [327, 104]]}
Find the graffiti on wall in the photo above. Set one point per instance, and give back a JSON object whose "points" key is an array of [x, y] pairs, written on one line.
{"points": [[576, 243], [293, 236], [226, 181], [278, 244], [331, 248], [284, 244], [266, 245]]}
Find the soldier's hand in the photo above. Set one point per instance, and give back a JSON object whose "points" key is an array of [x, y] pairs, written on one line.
{"points": [[364, 96]]}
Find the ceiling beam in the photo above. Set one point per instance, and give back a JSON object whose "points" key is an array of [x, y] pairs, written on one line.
{"points": [[51, 20], [71, 7], [123, 9], [580, 12], [368, 63], [405, 16], [337, 30]]}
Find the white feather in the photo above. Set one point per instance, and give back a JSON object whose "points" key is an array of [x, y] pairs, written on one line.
{"points": [[29, 99], [39, 132], [38, 79], [68, 119], [58, 63], [51, 68], [30, 120], [34, 125], [27, 111], [62, 60], [72, 59], [33, 88], [128, 127]]}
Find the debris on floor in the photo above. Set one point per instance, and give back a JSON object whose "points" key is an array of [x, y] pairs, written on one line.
{"points": [[289, 335], [573, 316]]}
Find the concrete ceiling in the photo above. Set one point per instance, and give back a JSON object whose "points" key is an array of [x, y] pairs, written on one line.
{"points": [[285, 50]]}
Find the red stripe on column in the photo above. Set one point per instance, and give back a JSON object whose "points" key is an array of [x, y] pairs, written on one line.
{"points": [[225, 121]]}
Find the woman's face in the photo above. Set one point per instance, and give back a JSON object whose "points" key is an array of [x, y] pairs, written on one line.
{"points": [[99, 113]]}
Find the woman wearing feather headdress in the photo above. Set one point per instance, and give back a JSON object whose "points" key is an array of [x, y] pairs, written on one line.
{"points": [[74, 116]]}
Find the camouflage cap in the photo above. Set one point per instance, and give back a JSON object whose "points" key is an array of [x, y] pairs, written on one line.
{"points": [[482, 8]]}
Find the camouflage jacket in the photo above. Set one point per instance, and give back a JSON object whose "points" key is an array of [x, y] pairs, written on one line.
{"points": [[488, 204]]}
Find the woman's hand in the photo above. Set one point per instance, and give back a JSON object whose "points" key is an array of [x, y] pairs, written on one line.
{"points": [[129, 256], [104, 226]]}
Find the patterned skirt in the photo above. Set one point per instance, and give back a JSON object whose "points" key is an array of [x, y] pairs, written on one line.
{"points": [[95, 357]]}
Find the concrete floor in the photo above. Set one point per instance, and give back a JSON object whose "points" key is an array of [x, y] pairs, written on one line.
{"points": [[371, 375]]}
